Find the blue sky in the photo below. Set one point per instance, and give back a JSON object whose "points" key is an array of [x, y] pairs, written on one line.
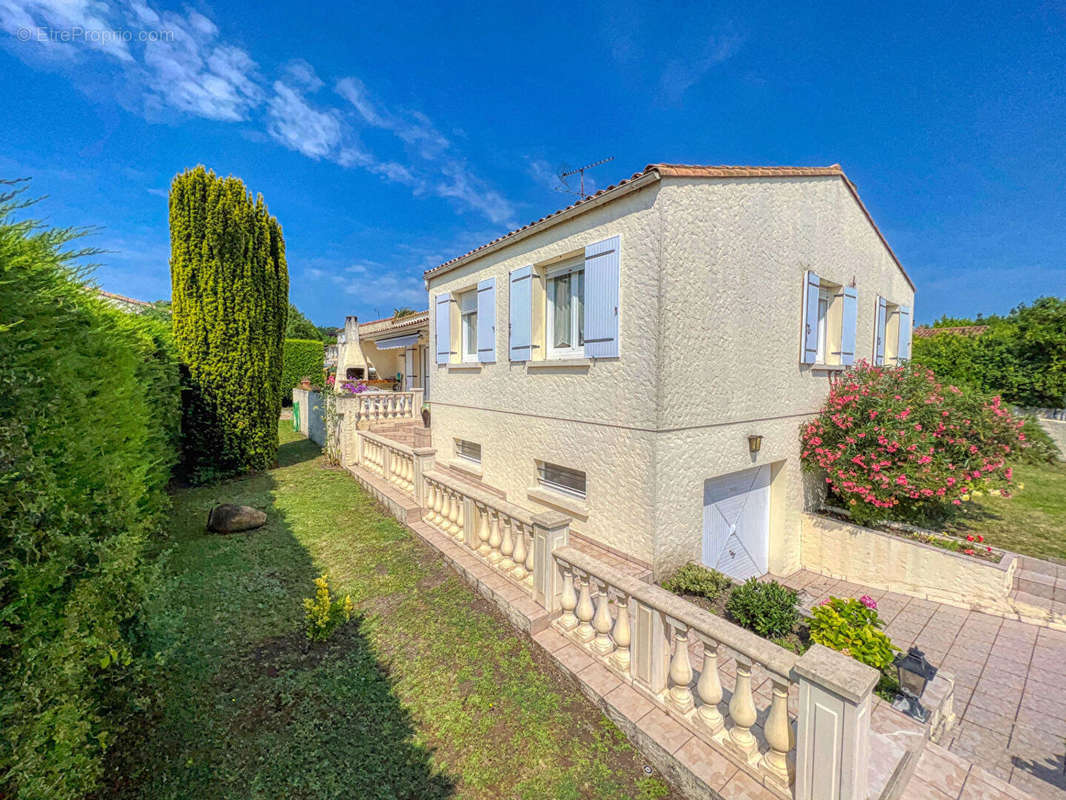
{"points": [[387, 139]]}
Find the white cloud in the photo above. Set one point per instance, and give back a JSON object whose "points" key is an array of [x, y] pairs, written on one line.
{"points": [[294, 123], [459, 183], [302, 74], [683, 73]]}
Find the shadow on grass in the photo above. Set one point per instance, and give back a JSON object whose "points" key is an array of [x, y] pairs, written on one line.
{"points": [[247, 707]]}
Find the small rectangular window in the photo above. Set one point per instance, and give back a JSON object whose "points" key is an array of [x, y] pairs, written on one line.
{"points": [[471, 451], [561, 479]]}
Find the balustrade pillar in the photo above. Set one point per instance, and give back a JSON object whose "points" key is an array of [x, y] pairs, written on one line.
{"points": [[467, 530], [506, 545], [423, 461], [444, 518], [495, 540], [709, 688], [832, 756], [551, 530], [568, 600], [621, 635], [742, 710], [602, 623], [778, 733], [584, 611], [484, 533], [681, 673], [519, 572]]}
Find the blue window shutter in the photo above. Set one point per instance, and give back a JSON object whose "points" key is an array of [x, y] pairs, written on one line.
{"points": [[486, 320], [601, 298], [879, 331], [520, 305], [809, 345], [903, 350], [849, 322], [444, 328]]}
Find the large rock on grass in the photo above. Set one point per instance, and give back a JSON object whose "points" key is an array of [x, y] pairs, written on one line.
{"points": [[229, 518]]}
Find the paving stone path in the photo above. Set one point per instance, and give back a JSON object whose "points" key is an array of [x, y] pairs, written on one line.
{"points": [[1010, 682]]}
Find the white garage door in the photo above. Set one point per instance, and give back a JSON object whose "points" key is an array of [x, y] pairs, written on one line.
{"points": [[736, 523]]}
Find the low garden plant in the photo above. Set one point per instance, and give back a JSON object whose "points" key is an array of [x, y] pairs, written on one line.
{"points": [[895, 443], [325, 613], [853, 627], [696, 579], [768, 609]]}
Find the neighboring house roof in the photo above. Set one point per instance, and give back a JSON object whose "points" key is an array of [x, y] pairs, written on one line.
{"points": [[654, 172], [118, 299], [923, 332], [390, 324]]}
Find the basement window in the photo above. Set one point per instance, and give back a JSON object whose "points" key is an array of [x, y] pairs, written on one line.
{"points": [[561, 479], [471, 451]]}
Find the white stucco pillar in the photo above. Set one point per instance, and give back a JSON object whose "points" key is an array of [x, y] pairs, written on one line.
{"points": [[424, 460], [833, 725], [551, 530]]}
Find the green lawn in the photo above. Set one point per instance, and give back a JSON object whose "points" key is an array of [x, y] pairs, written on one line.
{"points": [[1032, 521], [428, 694]]}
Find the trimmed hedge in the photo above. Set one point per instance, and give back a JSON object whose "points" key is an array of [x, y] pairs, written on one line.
{"points": [[230, 298], [303, 357], [88, 437]]}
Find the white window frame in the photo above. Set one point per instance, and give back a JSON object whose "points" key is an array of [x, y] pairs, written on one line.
{"points": [[825, 302], [558, 487], [460, 454], [576, 316], [467, 318]]}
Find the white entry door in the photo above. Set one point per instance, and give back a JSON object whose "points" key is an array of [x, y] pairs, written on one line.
{"points": [[736, 523]]}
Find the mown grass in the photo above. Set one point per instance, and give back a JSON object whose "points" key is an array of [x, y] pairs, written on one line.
{"points": [[428, 693], [1032, 521]]}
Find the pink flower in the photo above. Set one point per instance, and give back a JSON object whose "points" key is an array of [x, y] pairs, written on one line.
{"points": [[868, 601]]}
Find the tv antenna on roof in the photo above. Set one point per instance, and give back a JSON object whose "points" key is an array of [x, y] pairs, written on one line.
{"points": [[566, 173]]}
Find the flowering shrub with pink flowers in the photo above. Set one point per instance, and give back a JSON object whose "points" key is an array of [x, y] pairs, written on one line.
{"points": [[895, 443]]}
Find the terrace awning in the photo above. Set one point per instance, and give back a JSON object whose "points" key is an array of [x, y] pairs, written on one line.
{"points": [[397, 342]]}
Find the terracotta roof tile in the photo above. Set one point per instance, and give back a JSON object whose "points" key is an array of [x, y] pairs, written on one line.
{"points": [[690, 171]]}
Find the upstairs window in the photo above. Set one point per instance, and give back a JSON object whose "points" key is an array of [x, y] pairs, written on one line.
{"points": [[468, 325], [830, 317], [561, 479], [566, 311]]}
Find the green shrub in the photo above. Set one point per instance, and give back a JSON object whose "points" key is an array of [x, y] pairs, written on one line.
{"points": [[852, 627], [768, 609], [323, 613], [88, 437], [297, 326], [699, 580], [1042, 448], [303, 358], [230, 288]]}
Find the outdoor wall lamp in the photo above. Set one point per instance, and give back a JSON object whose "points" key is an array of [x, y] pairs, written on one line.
{"points": [[914, 673], [754, 443]]}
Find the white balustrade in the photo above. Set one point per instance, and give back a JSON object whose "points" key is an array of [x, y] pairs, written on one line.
{"points": [[598, 606]]}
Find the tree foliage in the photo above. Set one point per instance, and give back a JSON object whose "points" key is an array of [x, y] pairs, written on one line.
{"points": [[303, 358], [1021, 356], [229, 290], [300, 327], [87, 441]]}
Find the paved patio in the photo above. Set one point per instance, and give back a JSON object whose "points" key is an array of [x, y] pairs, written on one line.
{"points": [[1010, 697]]}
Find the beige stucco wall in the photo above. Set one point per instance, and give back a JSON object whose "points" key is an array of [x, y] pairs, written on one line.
{"points": [[883, 561], [709, 322], [734, 254]]}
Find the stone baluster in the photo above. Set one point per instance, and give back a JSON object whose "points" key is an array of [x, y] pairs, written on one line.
{"points": [[460, 516], [483, 532], [681, 673], [408, 472], [494, 538], [506, 545], [709, 688], [444, 513], [438, 503], [602, 623], [430, 490], [530, 556], [585, 632], [568, 600], [519, 572], [742, 710], [778, 733], [621, 635]]}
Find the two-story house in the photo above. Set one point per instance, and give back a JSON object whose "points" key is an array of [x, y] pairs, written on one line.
{"points": [[643, 359]]}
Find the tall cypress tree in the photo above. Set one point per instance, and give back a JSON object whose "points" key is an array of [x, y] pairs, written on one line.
{"points": [[230, 294]]}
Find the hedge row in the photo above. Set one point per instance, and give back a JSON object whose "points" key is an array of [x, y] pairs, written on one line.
{"points": [[303, 358], [88, 437]]}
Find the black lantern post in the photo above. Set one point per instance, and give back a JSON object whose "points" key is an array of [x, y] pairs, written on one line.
{"points": [[914, 673]]}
